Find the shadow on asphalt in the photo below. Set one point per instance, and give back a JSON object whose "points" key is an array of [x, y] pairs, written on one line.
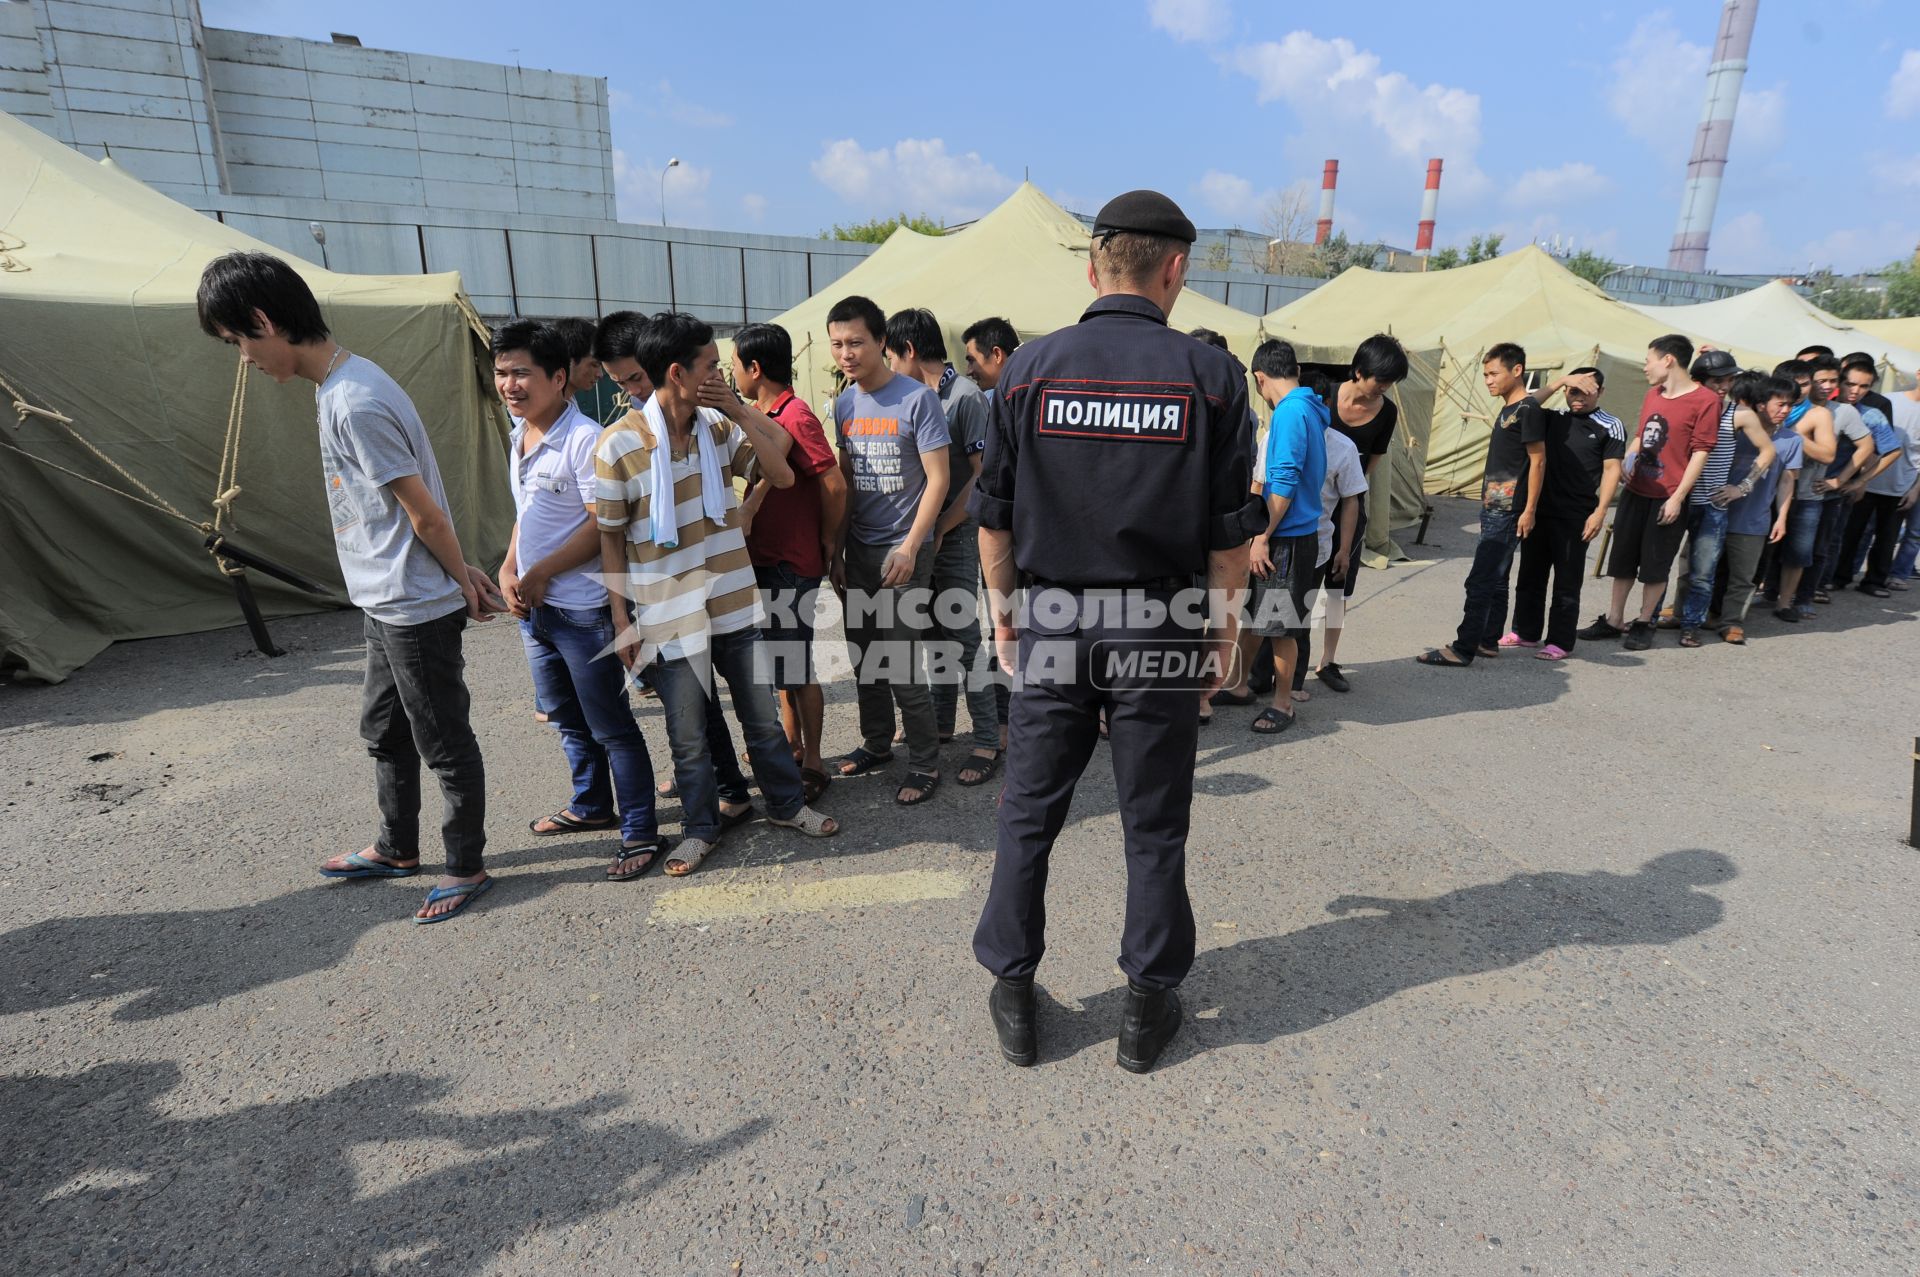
{"points": [[1274, 986], [176, 960], [100, 1174]]}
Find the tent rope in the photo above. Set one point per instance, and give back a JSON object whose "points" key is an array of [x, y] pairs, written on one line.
{"points": [[154, 500], [226, 486]]}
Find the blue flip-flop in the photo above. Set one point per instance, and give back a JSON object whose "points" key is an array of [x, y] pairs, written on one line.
{"points": [[361, 867], [468, 892]]}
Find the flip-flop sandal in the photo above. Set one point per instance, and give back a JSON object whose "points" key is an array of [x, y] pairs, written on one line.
{"points": [[860, 761], [981, 767], [359, 866], [569, 824], [925, 782], [667, 789], [1489, 651], [687, 854], [1551, 652], [653, 852], [463, 896], [1270, 722], [1230, 698], [729, 820], [1435, 657], [809, 822], [1206, 720], [813, 783]]}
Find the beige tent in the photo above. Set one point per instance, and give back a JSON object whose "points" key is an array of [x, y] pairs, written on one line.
{"points": [[1527, 297], [1901, 332], [1774, 318], [1027, 261], [97, 281]]}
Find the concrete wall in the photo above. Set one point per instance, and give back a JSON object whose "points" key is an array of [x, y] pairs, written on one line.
{"points": [[198, 113], [336, 122], [520, 264]]}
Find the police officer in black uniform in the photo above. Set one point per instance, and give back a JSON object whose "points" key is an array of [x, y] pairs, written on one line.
{"points": [[1117, 470]]}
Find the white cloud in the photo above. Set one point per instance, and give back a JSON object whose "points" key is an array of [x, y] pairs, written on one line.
{"points": [[1743, 244], [1897, 173], [1861, 247], [690, 114], [1333, 83], [1659, 85], [636, 188], [1903, 92], [1570, 182], [914, 174], [1229, 194], [1188, 20], [754, 205]]}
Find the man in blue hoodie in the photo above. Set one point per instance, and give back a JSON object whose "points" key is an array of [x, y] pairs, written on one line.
{"points": [[1509, 504], [1292, 472]]}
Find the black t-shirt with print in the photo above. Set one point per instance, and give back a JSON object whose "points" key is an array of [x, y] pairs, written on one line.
{"points": [[1373, 437], [1516, 426], [1578, 448]]}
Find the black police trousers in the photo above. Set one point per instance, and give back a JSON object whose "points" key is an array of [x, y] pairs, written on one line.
{"points": [[1142, 673]]}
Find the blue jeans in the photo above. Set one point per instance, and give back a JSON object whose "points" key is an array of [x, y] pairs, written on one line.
{"points": [[689, 693], [1706, 538], [582, 686], [1909, 551], [1485, 614]]}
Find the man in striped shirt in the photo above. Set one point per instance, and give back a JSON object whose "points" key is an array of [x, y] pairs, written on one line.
{"points": [[670, 527]]}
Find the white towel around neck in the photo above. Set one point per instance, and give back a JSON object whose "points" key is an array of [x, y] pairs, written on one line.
{"points": [[714, 489]]}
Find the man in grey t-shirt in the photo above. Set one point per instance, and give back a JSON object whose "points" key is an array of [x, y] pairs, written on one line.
{"points": [[402, 564], [916, 348], [893, 451]]}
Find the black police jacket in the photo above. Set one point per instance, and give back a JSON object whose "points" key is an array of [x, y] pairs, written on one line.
{"points": [[1117, 451]]}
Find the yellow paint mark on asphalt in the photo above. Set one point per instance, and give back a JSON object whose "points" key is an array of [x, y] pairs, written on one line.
{"points": [[771, 893]]}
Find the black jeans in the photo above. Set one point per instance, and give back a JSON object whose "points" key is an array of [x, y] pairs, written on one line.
{"points": [[414, 707], [1880, 513], [1554, 548], [1485, 613]]}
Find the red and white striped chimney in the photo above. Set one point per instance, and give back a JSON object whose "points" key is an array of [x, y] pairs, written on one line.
{"points": [[1429, 205], [1714, 136], [1323, 229]]}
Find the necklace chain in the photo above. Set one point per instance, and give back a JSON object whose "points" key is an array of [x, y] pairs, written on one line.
{"points": [[338, 350]]}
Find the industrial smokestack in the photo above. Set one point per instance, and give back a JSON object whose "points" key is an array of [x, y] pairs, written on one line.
{"points": [[1709, 161], [1429, 205], [1323, 228]]}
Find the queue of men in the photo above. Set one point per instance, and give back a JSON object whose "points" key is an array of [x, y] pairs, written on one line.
{"points": [[720, 515], [1783, 485]]}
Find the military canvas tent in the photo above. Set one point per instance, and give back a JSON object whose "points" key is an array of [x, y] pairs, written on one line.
{"points": [[1773, 318], [97, 280], [1901, 332], [1026, 261], [1561, 321]]}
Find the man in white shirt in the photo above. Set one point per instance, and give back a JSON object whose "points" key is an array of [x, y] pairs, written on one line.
{"points": [[1340, 501], [550, 583]]}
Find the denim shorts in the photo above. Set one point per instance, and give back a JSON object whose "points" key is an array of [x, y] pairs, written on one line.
{"points": [[1281, 603], [787, 633], [1803, 528]]}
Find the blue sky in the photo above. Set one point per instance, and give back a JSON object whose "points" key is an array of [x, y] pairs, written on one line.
{"points": [[1552, 118]]}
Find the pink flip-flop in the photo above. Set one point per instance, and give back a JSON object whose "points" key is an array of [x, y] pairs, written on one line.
{"points": [[1512, 639], [1551, 652]]}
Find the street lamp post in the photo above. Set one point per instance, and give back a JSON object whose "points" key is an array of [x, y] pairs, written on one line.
{"points": [[319, 234], [671, 164]]}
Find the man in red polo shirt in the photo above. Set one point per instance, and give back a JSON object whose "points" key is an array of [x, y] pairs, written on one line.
{"points": [[789, 535]]}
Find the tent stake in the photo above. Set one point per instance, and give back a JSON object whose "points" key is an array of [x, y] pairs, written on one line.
{"points": [[243, 591]]}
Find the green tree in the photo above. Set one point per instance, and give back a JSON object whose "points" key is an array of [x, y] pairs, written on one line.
{"points": [[1845, 298], [1445, 259], [1903, 287], [1340, 253], [1590, 266], [877, 230], [1219, 256], [1483, 248]]}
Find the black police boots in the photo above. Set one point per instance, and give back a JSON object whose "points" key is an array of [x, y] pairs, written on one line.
{"points": [[1151, 1018], [1011, 1004]]}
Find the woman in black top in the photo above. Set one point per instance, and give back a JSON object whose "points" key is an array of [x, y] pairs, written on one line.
{"points": [[1363, 413]]}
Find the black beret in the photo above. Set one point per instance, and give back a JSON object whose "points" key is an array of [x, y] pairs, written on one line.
{"points": [[1145, 213]]}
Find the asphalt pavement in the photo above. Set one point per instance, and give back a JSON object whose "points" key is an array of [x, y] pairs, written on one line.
{"points": [[1605, 966]]}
